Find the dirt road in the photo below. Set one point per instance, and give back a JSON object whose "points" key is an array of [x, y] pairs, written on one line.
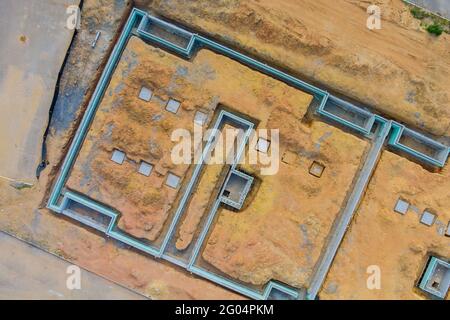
{"points": [[30, 273]]}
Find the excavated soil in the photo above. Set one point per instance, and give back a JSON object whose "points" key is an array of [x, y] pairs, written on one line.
{"points": [[206, 192], [21, 208], [400, 70], [398, 244], [79, 245], [280, 232], [143, 129]]}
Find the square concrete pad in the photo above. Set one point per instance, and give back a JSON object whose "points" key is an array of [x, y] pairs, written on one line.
{"points": [[427, 218], [172, 180], [173, 106], [316, 169], [263, 145], [118, 156], [145, 94], [145, 168], [200, 118], [401, 206]]}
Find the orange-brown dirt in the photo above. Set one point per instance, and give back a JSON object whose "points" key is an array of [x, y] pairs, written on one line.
{"points": [[210, 80], [205, 194], [21, 211], [400, 70], [143, 130], [280, 232], [398, 244], [82, 70], [154, 278], [197, 208]]}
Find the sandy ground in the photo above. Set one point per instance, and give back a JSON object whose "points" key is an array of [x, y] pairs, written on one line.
{"points": [[196, 85], [206, 191], [30, 273], [75, 243], [281, 231], [143, 129], [209, 80], [398, 244], [400, 70], [31, 56], [21, 210]]}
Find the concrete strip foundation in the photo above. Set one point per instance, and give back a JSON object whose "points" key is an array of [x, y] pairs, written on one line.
{"points": [[184, 43]]}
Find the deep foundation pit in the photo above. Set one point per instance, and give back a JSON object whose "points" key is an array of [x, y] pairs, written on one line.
{"points": [[142, 129], [398, 244]]}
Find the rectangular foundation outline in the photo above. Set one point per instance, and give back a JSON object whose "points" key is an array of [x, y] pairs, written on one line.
{"points": [[136, 20]]}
